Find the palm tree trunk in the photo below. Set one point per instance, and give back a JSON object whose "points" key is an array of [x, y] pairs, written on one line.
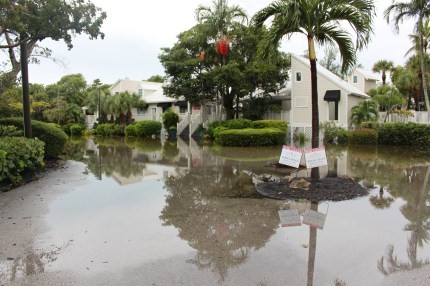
{"points": [[315, 113], [423, 70]]}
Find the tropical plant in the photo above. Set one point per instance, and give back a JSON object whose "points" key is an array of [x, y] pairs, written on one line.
{"points": [[416, 40], [406, 10], [388, 99], [120, 106], [364, 111], [319, 21], [383, 66]]}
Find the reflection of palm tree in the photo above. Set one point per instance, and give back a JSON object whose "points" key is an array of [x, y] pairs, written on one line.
{"points": [[418, 213], [312, 248]]}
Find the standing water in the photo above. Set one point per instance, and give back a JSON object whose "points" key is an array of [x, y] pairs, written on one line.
{"points": [[176, 213]]}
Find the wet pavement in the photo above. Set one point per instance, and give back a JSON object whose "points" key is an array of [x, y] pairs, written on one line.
{"points": [[132, 213]]}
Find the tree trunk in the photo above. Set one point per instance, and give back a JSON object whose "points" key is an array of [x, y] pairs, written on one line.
{"points": [[315, 113], [423, 66], [25, 91], [227, 102]]}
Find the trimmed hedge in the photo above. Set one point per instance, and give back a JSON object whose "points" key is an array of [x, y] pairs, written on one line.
{"points": [[77, 129], [147, 128], [251, 137], [108, 129], [363, 136], [18, 154], [130, 130], [55, 139], [280, 124], [410, 133]]}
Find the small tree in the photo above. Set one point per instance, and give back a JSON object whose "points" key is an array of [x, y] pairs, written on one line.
{"points": [[170, 119]]}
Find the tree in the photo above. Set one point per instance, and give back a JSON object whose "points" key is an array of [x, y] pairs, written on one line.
{"points": [[330, 61], [407, 82], [364, 111], [196, 71], [416, 40], [156, 78], [407, 10], [383, 66], [30, 22], [120, 106], [319, 21], [388, 99]]}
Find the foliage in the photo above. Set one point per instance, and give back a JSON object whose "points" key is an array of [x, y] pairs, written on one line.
{"points": [[18, 154], [332, 133], [156, 78], [147, 128], [388, 98], [31, 22], [255, 108], [364, 111], [251, 137], [280, 124], [413, 134], [108, 129], [120, 106], [237, 123], [363, 136], [55, 139], [170, 119], [195, 70], [130, 130], [77, 129], [370, 124], [330, 62], [10, 131], [383, 66]]}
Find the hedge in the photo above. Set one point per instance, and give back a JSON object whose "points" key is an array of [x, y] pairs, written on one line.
{"points": [[251, 137], [363, 136], [18, 154], [280, 124], [147, 128], [108, 129], [410, 133], [55, 139]]}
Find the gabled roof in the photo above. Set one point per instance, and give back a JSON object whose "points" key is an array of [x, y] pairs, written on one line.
{"points": [[152, 91], [343, 85], [368, 75]]}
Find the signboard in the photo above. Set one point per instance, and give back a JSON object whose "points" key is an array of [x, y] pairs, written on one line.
{"points": [[314, 218], [315, 158], [289, 218], [290, 156]]}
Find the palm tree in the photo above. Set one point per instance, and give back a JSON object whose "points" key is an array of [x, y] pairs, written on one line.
{"points": [[364, 111], [320, 21], [383, 66], [416, 39], [120, 106], [413, 9]]}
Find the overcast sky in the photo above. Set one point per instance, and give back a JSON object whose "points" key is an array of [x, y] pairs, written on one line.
{"points": [[136, 30]]}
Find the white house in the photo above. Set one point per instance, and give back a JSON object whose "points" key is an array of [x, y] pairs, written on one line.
{"points": [[363, 79]]}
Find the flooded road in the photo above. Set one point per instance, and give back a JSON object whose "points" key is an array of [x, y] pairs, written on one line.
{"points": [[175, 213]]}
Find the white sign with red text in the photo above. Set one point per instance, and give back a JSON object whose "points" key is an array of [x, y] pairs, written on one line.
{"points": [[315, 158], [290, 156]]}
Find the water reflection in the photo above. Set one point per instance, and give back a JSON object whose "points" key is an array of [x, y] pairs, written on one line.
{"points": [[211, 202]]}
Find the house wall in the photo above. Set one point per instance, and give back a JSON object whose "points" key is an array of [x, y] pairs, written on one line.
{"points": [[360, 84], [301, 109], [125, 85]]}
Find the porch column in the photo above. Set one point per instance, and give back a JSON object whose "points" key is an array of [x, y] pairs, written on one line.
{"points": [[189, 107]]}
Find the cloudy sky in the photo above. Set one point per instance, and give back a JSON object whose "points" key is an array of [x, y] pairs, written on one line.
{"points": [[135, 31]]}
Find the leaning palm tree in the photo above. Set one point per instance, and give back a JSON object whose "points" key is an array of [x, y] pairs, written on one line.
{"points": [[407, 10], [383, 66], [321, 21]]}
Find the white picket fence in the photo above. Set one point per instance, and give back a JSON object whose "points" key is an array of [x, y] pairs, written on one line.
{"points": [[418, 117]]}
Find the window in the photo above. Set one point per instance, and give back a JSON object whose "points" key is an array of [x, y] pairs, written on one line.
{"points": [[333, 110], [140, 91], [183, 109], [354, 79], [298, 76], [142, 110]]}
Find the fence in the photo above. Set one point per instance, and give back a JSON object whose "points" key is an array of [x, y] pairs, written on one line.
{"points": [[418, 117]]}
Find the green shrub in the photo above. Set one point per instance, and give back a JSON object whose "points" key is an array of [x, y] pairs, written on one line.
{"points": [[412, 134], [333, 133], [77, 129], [363, 136], [216, 131], [55, 139], [10, 131], [170, 118], [147, 128], [108, 129], [130, 130], [237, 123], [370, 124], [280, 124], [18, 154], [211, 128], [251, 137]]}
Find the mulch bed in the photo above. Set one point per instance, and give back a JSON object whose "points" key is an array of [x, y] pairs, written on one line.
{"points": [[325, 189]]}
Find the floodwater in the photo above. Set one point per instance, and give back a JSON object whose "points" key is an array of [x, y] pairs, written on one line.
{"points": [[176, 213]]}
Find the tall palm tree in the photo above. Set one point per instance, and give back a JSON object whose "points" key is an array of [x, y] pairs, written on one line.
{"points": [[407, 10], [416, 40], [320, 21], [383, 66]]}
